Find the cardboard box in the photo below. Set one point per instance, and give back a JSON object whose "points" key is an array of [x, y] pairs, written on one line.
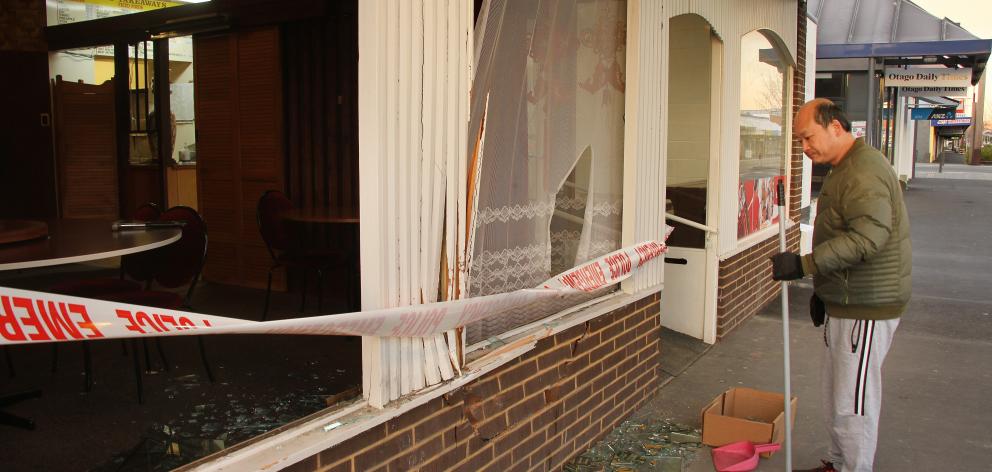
{"points": [[745, 414]]}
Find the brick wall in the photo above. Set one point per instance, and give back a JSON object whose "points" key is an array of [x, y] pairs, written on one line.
{"points": [[22, 25], [745, 283], [534, 413]]}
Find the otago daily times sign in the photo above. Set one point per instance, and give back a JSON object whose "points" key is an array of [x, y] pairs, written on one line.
{"points": [[927, 77]]}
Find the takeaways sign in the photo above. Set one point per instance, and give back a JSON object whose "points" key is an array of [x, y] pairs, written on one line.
{"points": [[927, 77]]}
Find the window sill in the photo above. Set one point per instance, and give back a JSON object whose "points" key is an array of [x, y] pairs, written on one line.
{"points": [[325, 429], [754, 239]]}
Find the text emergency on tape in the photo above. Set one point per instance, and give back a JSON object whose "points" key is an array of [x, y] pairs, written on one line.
{"points": [[32, 317]]}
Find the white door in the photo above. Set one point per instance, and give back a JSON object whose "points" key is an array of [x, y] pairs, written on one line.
{"points": [[688, 303]]}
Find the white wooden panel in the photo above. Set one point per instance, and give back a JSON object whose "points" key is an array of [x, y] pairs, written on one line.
{"points": [[903, 141], [684, 280], [644, 134], [413, 89], [809, 93]]}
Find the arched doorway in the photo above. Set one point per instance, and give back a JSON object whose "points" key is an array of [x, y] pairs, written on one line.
{"points": [[694, 103]]}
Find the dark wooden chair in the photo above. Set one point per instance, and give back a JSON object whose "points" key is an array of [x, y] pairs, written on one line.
{"points": [[135, 273], [287, 253], [174, 266]]}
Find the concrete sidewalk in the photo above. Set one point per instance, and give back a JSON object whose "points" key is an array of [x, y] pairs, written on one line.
{"points": [[935, 413], [952, 171]]}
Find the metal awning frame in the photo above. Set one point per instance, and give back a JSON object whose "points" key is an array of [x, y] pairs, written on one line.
{"points": [[972, 53]]}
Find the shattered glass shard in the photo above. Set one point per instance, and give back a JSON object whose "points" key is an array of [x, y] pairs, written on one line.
{"points": [[641, 446]]}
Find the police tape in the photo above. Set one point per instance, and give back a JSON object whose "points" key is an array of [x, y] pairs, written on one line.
{"points": [[35, 317]]}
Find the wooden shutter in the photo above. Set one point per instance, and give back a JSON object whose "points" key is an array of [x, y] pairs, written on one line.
{"points": [[239, 148], [86, 150]]}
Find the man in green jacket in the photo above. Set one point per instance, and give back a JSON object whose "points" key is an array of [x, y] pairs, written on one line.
{"points": [[860, 264]]}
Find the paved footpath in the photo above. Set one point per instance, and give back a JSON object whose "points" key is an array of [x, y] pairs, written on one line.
{"points": [[953, 171], [935, 411]]}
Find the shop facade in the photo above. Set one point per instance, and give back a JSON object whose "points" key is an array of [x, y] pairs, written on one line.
{"points": [[485, 146], [567, 140]]}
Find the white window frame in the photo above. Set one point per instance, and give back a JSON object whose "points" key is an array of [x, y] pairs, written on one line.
{"points": [[760, 236], [638, 167]]}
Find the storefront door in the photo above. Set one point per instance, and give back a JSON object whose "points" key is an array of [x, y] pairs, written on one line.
{"points": [[689, 299]]}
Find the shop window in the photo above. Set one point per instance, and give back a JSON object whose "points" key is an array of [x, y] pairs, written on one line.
{"points": [[549, 101], [763, 144]]}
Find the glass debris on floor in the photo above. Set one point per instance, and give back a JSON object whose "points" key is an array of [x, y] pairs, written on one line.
{"points": [[214, 425], [660, 445]]}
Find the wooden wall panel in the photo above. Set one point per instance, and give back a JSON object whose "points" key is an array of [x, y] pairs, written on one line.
{"points": [[321, 102], [26, 146], [86, 149], [239, 147]]}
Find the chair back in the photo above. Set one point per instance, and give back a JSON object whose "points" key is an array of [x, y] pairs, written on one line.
{"points": [[141, 266], [181, 262], [268, 214], [146, 212]]}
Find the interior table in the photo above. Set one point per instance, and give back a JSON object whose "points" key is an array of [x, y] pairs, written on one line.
{"points": [[69, 241], [79, 240], [345, 226]]}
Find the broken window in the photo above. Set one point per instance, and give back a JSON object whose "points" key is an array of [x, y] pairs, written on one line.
{"points": [[546, 146]]}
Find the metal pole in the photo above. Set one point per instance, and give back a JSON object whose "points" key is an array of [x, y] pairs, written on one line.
{"points": [[785, 331], [870, 126]]}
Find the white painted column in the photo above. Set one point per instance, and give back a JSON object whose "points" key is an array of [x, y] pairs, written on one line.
{"points": [[413, 85], [810, 92], [645, 133], [904, 139]]}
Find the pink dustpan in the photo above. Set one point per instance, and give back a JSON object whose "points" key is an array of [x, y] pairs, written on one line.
{"points": [[740, 456]]}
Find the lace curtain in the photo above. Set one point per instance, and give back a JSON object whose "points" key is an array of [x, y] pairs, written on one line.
{"points": [[547, 107]]}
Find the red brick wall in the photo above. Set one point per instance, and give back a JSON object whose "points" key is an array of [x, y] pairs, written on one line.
{"points": [[534, 413], [22, 25], [745, 284]]}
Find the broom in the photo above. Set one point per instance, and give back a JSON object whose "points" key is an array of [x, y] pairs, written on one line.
{"points": [[785, 330]]}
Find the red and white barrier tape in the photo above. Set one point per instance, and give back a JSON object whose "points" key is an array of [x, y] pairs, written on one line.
{"points": [[33, 317]]}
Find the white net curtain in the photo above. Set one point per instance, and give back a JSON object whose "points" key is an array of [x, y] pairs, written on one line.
{"points": [[548, 98]]}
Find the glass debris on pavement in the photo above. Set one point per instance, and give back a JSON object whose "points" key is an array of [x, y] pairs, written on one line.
{"points": [[660, 445]]}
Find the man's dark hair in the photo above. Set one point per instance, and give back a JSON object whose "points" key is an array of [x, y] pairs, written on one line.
{"points": [[829, 111]]}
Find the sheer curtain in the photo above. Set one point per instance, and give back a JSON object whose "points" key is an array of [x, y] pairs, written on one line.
{"points": [[546, 134]]}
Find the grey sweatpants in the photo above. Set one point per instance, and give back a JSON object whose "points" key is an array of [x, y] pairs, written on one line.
{"points": [[852, 388]]}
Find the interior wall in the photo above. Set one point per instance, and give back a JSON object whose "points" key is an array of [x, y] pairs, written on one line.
{"points": [[27, 179], [689, 134], [73, 68], [22, 26], [689, 101], [321, 97], [181, 72]]}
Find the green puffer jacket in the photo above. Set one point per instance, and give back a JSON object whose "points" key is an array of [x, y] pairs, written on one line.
{"points": [[862, 257]]}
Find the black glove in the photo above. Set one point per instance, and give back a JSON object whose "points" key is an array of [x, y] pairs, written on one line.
{"points": [[787, 266], [817, 310]]}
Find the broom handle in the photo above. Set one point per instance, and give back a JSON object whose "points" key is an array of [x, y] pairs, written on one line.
{"points": [[785, 331]]}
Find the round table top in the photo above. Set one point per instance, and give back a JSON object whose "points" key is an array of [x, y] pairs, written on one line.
{"points": [[78, 240], [13, 231], [318, 215]]}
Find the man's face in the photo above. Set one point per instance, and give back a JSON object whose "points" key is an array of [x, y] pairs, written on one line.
{"points": [[819, 143]]}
